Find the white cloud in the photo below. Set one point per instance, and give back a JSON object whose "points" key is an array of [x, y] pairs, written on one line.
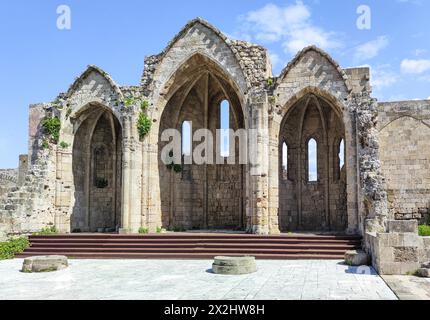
{"points": [[419, 52], [383, 77], [275, 59], [415, 66], [370, 49], [290, 24]]}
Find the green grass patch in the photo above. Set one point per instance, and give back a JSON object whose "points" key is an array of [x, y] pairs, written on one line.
{"points": [[424, 230], [12, 247], [47, 231]]}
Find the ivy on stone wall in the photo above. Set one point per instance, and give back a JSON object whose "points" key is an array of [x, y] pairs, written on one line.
{"points": [[177, 168], [144, 123], [51, 128]]}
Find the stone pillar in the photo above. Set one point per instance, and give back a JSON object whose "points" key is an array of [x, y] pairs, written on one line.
{"points": [[135, 168], [274, 157], [131, 177], [126, 176], [259, 159]]}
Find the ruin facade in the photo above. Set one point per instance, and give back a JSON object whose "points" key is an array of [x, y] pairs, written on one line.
{"points": [[98, 173]]}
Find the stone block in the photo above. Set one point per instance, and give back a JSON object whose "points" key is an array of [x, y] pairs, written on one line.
{"points": [[234, 265], [44, 264], [406, 254], [397, 268], [357, 258], [402, 226], [423, 273]]}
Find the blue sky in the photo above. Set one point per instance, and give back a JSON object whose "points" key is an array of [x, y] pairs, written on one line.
{"points": [[37, 60]]}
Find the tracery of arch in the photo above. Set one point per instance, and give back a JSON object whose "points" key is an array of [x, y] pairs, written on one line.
{"points": [[312, 195], [97, 171], [208, 195]]}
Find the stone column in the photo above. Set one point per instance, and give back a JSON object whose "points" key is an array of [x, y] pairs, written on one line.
{"points": [[135, 167], [126, 176], [131, 177], [259, 159], [274, 157]]}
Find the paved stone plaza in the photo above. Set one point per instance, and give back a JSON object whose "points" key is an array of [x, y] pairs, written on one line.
{"points": [[193, 280], [409, 287]]}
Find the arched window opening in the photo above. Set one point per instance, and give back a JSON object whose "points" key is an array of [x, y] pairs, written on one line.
{"points": [[341, 155], [225, 127], [285, 160], [312, 161], [186, 138]]}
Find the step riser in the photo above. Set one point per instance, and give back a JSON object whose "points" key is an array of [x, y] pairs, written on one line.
{"points": [[217, 251], [191, 246], [185, 242], [188, 256], [172, 246], [207, 237]]}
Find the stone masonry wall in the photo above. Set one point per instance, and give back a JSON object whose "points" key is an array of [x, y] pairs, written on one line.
{"points": [[404, 131]]}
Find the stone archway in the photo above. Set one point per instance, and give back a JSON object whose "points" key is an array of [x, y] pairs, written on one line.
{"points": [[312, 199], [205, 196], [97, 172]]}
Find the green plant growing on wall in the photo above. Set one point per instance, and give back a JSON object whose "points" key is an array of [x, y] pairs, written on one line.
{"points": [[177, 168], [270, 82], [272, 99], [144, 123], [45, 144], [57, 105], [47, 231], [160, 230], [64, 145], [129, 101], [424, 230], [143, 230], [51, 128]]}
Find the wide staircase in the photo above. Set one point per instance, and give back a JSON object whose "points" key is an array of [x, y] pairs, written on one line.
{"points": [[192, 246]]}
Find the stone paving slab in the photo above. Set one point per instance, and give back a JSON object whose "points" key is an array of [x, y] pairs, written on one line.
{"points": [[192, 280], [409, 287]]}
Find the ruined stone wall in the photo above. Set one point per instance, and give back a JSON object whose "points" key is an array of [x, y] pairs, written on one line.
{"points": [[8, 180], [404, 130]]}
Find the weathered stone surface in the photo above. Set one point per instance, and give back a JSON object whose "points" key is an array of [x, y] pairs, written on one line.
{"points": [[44, 264], [406, 254], [405, 157], [105, 176], [234, 265], [423, 272], [402, 226], [426, 265], [357, 258]]}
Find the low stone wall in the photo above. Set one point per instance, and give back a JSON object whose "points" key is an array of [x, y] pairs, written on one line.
{"points": [[398, 251]]}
